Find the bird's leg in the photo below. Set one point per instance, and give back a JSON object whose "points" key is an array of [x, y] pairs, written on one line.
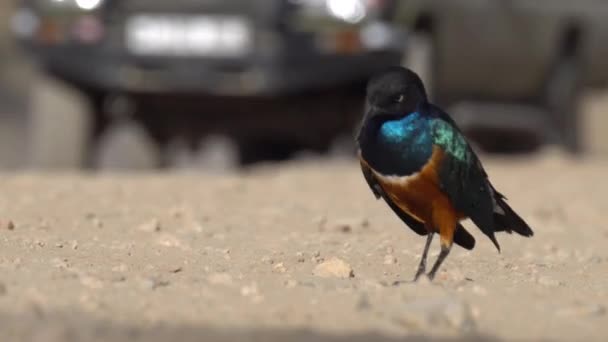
{"points": [[445, 250], [422, 265], [444, 218]]}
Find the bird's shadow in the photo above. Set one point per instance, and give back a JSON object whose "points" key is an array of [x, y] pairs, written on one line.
{"points": [[397, 283]]}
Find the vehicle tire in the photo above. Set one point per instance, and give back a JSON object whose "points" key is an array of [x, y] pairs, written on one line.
{"points": [[217, 153], [126, 145], [420, 58], [251, 151], [342, 147], [563, 102], [59, 125], [11, 140]]}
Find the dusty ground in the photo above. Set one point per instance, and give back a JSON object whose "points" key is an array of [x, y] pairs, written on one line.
{"points": [[231, 258]]}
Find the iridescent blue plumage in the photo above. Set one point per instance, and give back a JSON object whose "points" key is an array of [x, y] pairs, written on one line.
{"points": [[401, 129], [407, 141]]}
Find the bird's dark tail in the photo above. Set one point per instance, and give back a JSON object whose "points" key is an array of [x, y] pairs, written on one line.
{"points": [[463, 238], [507, 220]]}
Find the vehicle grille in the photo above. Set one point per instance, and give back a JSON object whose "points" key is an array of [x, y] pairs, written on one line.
{"points": [[252, 8]]}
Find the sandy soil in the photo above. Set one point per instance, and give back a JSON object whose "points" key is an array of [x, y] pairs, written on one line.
{"points": [[236, 257]]}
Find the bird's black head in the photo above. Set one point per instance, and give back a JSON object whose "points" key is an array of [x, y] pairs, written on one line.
{"points": [[396, 91]]}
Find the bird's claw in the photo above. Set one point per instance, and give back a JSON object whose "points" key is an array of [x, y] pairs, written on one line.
{"points": [[420, 274]]}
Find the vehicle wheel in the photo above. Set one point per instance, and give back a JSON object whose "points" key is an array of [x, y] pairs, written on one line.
{"points": [[126, 145], [251, 151], [563, 101], [420, 58], [59, 126], [217, 153], [342, 147], [11, 140]]}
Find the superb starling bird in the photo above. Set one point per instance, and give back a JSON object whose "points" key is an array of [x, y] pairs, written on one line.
{"points": [[414, 157]]}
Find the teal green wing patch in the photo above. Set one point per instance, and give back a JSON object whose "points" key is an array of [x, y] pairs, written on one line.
{"points": [[462, 178], [451, 141]]}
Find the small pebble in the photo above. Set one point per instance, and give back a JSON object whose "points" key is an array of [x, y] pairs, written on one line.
{"points": [[344, 227], [479, 290], [267, 260], [220, 279], [279, 267], [8, 225], [252, 291], [94, 220], [169, 240], [316, 257], [390, 260], [91, 282], [177, 212], [290, 283], [97, 222], [300, 257], [150, 226], [195, 226], [120, 268], [334, 267], [118, 278], [177, 269], [154, 283], [348, 225], [549, 282]]}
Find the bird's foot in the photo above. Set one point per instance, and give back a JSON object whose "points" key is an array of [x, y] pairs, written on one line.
{"points": [[421, 270], [419, 274]]}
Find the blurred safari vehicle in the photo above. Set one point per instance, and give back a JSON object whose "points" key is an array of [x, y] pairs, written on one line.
{"points": [[513, 69], [274, 75]]}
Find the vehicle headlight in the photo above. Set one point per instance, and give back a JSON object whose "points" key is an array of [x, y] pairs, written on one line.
{"points": [[89, 5], [352, 11], [349, 11], [84, 5]]}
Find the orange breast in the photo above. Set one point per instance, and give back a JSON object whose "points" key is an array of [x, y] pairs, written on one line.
{"points": [[420, 195]]}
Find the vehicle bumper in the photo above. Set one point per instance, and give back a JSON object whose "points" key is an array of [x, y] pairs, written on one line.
{"points": [[247, 79]]}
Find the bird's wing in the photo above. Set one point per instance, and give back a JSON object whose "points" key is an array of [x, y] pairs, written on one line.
{"points": [[462, 177], [411, 222], [371, 180]]}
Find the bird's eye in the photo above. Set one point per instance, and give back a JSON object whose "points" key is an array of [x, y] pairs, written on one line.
{"points": [[399, 98]]}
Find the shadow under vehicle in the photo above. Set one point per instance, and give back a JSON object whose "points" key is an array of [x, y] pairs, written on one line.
{"points": [[275, 76], [512, 71]]}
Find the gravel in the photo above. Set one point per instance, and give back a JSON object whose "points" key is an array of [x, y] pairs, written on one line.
{"points": [[300, 252]]}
